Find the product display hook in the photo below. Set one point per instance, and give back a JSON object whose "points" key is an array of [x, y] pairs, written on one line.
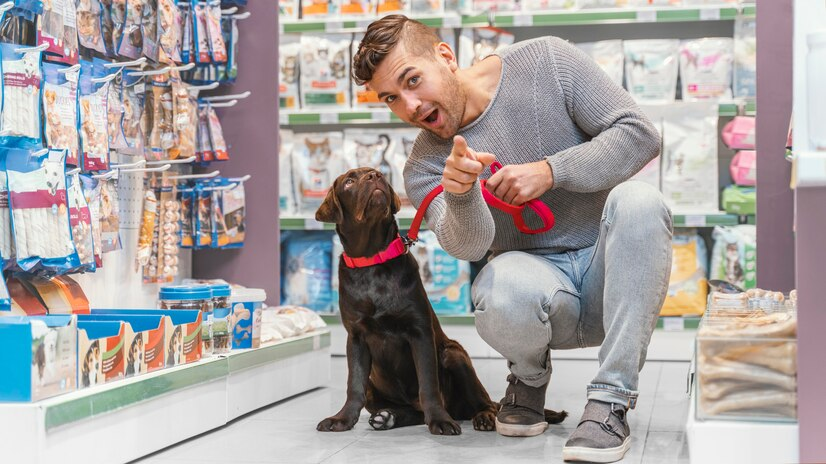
{"points": [[6, 6], [211, 86], [240, 180], [100, 80], [157, 169], [241, 16], [218, 105], [229, 11], [125, 64], [69, 69], [73, 172], [222, 187], [237, 96], [158, 72], [196, 176], [174, 161], [137, 164], [38, 48]]}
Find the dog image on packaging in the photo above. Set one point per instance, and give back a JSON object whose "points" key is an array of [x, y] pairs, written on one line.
{"points": [[53, 357], [143, 340], [100, 352]]}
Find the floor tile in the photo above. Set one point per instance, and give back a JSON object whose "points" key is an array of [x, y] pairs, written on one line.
{"points": [[662, 447]]}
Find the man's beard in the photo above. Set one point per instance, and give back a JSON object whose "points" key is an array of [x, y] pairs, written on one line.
{"points": [[452, 107]]}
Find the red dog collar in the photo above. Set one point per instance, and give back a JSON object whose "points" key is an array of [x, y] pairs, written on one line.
{"points": [[394, 250]]}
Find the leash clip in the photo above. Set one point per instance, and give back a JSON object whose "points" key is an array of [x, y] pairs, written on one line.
{"points": [[409, 242]]}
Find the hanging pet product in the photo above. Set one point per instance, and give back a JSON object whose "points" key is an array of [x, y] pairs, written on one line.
{"points": [[204, 148], [107, 27], [22, 80], [131, 42], [91, 191], [187, 39], [219, 227], [217, 46], [23, 22], [200, 32], [233, 205], [60, 109], [133, 107], [169, 21], [109, 215], [114, 103], [88, 25], [184, 125], [203, 216], [168, 228], [40, 214], [6, 236], [80, 218], [216, 135], [186, 196], [150, 270], [230, 30], [162, 134], [147, 228], [118, 22], [57, 28], [149, 28], [94, 138]]}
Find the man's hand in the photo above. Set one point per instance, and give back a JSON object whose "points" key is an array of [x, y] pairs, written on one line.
{"points": [[463, 166], [519, 183]]}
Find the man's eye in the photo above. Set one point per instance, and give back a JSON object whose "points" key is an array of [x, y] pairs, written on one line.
{"points": [[413, 80], [390, 99]]}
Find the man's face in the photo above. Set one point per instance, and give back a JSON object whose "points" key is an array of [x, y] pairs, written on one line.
{"points": [[421, 90]]}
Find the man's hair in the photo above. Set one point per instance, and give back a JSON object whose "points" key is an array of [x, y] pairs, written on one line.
{"points": [[382, 37]]}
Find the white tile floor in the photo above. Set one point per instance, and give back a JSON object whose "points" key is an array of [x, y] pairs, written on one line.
{"points": [[285, 432]]}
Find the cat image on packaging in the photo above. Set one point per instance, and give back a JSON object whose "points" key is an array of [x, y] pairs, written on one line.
{"points": [[475, 44], [325, 71], [289, 54]]}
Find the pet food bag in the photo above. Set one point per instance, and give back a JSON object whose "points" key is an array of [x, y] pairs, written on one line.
{"points": [[288, 9], [363, 98], [22, 81], [543, 5], [745, 57], [317, 160], [286, 189], [149, 29], [608, 55], [427, 7], [93, 117], [57, 28], [402, 147], [496, 5], [107, 27], [306, 271], [705, 68], [734, 256], [217, 46], [80, 218], [118, 22], [216, 135], [133, 107], [88, 25], [739, 133], [740, 200], [114, 103], [378, 149], [170, 25], [319, 8], [446, 279], [325, 71], [131, 41], [688, 286], [475, 44], [357, 7], [384, 7], [289, 56], [689, 158], [651, 68], [60, 110]]}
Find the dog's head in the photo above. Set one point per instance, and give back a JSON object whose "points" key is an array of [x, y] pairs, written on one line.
{"points": [[360, 196]]}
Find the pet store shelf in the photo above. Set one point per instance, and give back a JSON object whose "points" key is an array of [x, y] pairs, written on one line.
{"points": [[546, 18], [162, 408]]}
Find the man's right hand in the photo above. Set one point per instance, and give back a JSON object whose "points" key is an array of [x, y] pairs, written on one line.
{"points": [[463, 166]]}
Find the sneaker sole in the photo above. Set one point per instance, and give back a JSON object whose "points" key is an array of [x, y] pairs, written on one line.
{"points": [[578, 453], [512, 430]]}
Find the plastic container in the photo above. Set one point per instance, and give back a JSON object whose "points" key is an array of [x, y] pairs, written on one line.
{"points": [[222, 330], [192, 297], [816, 91], [246, 317]]}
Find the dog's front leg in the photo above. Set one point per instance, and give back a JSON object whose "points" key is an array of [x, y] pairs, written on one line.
{"points": [[358, 365], [436, 417]]}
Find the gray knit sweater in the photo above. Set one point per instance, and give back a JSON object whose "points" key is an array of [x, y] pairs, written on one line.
{"points": [[553, 102]]}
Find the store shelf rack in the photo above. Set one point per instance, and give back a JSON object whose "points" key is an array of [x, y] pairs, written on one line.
{"points": [[545, 18], [127, 419]]}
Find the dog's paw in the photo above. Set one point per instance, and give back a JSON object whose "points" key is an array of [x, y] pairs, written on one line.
{"points": [[336, 424], [383, 420], [485, 421], [444, 427]]}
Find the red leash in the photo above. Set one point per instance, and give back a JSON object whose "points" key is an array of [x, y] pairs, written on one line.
{"points": [[400, 245]]}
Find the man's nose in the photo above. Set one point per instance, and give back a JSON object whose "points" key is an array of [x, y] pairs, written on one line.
{"points": [[412, 106]]}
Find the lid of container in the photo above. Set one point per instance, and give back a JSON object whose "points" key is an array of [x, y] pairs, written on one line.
{"points": [[186, 292], [220, 313], [219, 290], [254, 295], [816, 38]]}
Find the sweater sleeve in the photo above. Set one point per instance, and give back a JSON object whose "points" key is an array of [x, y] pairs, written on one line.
{"points": [[462, 223], [623, 140]]}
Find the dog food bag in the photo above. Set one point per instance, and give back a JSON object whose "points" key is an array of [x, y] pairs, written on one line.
{"points": [[475, 44], [22, 81], [57, 27], [170, 25], [689, 158], [688, 286], [289, 55], [319, 8], [60, 110], [233, 205], [734, 256], [608, 55], [496, 5], [80, 218], [306, 271], [39, 210], [133, 107], [149, 29], [427, 7], [446, 279], [89, 26], [317, 160], [131, 42], [286, 186], [651, 68], [705, 68], [288, 9], [109, 215], [745, 57], [93, 117], [544, 5], [363, 98], [325, 71]]}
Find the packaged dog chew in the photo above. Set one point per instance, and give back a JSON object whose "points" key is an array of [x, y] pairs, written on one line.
{"points": [[229, 28], [88, 25], [201, 33], [93, 120], [118, 22], [219, 227], [114, 104], [148, 220], [57, 28], [325, 71], [7, 251], [60, 110], [217, 46], [216, 136], [187, 39], [185, 200], [149, 28], [109, 215], [184, 122], [169, 21], [22, 81], [289, 56], [168, 235], [161, 136], [91, 191], [651, 68], [475, 44], [204, 147], [107, 27], [233, 205], [705, 68], [131, 43], [203, 216], [80, 220], [133, 107], [150, 270], [608, 55]]}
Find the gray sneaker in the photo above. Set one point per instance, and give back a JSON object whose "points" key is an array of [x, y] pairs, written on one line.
{"points": [[602, 435], [522, 411]]}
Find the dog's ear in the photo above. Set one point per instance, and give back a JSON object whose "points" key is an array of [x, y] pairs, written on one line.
{"points": [[330, 209], [397, 202]]}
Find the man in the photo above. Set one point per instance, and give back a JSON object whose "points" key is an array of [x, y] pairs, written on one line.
{"points": [[570, 137]]}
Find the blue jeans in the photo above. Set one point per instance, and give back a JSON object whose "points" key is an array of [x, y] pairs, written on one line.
{"points": [[609, 294]]}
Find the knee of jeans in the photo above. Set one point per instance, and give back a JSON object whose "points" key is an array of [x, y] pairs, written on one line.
{"points": [[640, 203], [506, 308]]}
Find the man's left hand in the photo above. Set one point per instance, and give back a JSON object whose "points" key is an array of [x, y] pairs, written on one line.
{"points": [[519, 183]]}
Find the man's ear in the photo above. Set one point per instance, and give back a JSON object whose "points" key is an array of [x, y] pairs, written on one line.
{"points": [[446, 54], [330, 209]]}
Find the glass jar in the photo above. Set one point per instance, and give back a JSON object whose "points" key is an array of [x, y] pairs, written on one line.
{"points": [[222, 330], [192, 297]]}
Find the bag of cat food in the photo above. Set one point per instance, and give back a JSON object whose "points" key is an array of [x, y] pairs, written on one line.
{"points": [[60, 110], [317, 161], [475, 44], [57, 27], [608, 55], [378, 149], [651, 68], [745, 57], [734, 256], [688, 285], [705, 68], [325, 71], [289, 57]]}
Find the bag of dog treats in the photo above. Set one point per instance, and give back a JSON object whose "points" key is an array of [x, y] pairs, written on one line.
{"points": [[317, 161], [217, 46], [200, 13], [325, 71], [109, 215], [149, 219], [203, 216], [306, 271], [362, 98], [118, 22], [286, 186], [204, 151], [745, 57], [705, 68], [219, 226], [57, 27], [93, 119], [216, 136], [234, 207], [162, 135], [80, 218], [688, 286], [131, 41], [60, 110], [39, 211], [608, 55], [6, 236], [133, 107], [229, 28], [651, 68], [358, 7], [168, 230], [89, 26], [114, 104], [187, 38], [288, 9], [734, 256], [22, 81], [475, 44], [149, 29], [319, 8], [91, 191], [107, 27], [187, 231], [289, 55], [169, 22]]}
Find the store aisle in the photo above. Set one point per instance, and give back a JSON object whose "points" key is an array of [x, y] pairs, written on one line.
{"points": [[285, 432]]}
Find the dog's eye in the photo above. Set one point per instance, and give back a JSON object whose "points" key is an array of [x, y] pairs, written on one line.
{"points": [[348, 182]]}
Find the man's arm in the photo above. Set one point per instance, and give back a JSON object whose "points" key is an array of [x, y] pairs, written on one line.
{"points": [[624, 140]]}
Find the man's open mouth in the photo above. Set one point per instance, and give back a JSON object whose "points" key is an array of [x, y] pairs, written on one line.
{"points": [[432, 117]]}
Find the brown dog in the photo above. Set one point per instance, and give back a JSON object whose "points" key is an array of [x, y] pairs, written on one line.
{"points": [[402, 366]]}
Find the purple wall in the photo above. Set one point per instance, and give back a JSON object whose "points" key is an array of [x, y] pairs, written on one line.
{"points": [[775, 240], [251, 130]]}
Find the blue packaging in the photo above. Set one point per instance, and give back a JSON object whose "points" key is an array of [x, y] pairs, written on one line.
{"points": [[306, 271]]}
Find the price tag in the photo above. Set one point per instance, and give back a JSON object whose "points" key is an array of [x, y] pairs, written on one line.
{"points": [[710, 14], [329, 118], [647, 16], [695, 220], [452, 22], [523, 20], [312, 224], [673, 324], [380, 116], [334, 26], [283, 118]]}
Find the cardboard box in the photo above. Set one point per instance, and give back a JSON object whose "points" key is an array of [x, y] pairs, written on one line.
{"points": [[100, 353], [39, 357], [182, 332], [143, 341]]}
